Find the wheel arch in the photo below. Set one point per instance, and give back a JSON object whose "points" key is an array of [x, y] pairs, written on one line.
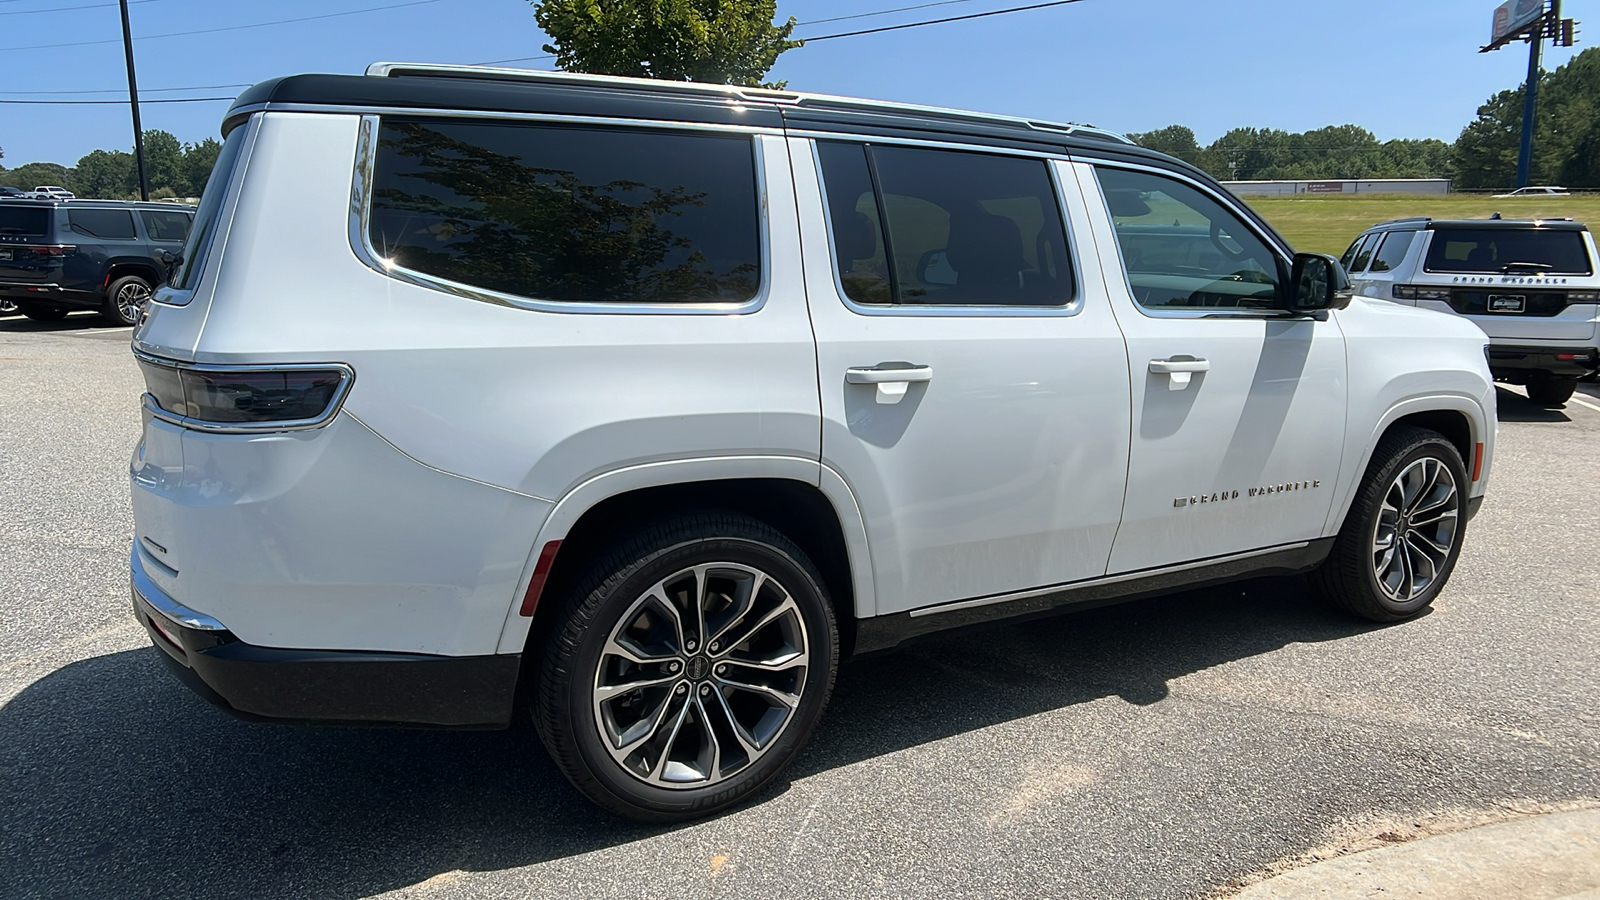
{"points": [[120, 267], [816, 512], [1460, 419]]}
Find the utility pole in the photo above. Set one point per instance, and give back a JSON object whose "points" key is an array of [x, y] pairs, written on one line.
{"points": [[1531, 21], [133, 101], [1530, 105]]}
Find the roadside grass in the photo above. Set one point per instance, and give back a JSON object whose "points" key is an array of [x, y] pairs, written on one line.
{"points": [[1324, 224]]}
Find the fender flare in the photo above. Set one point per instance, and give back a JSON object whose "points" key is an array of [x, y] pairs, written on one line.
{"points": [[585, 496], [1477, 423]]}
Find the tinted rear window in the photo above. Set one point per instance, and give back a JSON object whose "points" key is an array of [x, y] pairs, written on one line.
{"points": [[567, 213], [165, 226], [24, 221], [204, 226], [107, 224], [1486, 250], [1393, 251]]}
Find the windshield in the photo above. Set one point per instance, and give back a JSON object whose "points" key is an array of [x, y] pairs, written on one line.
{"points": [[24, 221], [1498, 250]]}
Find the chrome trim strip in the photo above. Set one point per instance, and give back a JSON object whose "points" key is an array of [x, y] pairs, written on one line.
{"points": [[954, 143], [1071, 308], [1098, 582], [169, 608], [347, 378], [360, 234], [732, 92], [552, 118]]}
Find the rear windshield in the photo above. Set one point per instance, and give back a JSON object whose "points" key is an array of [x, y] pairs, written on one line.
{"points": [[1486, 250], [24, 221]]}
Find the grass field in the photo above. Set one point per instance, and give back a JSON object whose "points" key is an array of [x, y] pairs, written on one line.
{"points": [[1323, 224]]}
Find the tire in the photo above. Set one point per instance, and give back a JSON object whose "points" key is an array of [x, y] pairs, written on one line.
{"points": [[1415, 489], [8, 308], [42, 313], [1551, 393], [668, 751], [125, 300]]}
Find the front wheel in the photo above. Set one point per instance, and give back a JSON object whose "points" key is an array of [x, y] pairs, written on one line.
{"points": [[691, 664], [1403, 533], [1551, 393]]}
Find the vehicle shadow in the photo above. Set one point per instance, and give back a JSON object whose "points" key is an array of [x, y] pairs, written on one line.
{"points": [[1514, 407], [116, 781], [73, 322]]}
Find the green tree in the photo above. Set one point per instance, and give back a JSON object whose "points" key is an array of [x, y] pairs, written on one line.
{"points": [[30, 175], [1173, 140], [163, 161], [721, 41], [106, 174], [198, 161], [1566, 132]]}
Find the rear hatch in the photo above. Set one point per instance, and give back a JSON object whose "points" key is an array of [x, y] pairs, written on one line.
{"points": [[1531, 283], [28, 254]]}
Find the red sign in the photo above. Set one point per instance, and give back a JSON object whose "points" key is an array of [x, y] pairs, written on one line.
{"points": [[1325, 187]]}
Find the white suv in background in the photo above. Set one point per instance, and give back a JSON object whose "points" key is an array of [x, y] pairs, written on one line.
{"points": [[640, 405], [51, 192], [1531, 285]]}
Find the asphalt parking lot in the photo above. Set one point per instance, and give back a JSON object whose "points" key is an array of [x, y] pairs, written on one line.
{"points": [[1162, 749]]}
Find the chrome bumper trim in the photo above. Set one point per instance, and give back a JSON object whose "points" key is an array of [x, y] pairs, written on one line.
{"points": [[161, 603]]}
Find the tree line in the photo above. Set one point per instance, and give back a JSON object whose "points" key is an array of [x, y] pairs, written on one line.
{"points": [[173, 168], [1566, 143]]}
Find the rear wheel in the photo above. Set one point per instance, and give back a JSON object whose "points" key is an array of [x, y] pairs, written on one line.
{"points": [[690, 665], [1552, 392], [1403, 533], [42, 313], [125, 300]]}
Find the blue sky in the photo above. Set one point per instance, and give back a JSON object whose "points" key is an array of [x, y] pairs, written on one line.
{"points": [[1403, 68]]}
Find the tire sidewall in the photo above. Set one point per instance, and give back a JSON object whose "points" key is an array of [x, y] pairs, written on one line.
{"points": [[1434, 448], [576, 698], [112, 311]]}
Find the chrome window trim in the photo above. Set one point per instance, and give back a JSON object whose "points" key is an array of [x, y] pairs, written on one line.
{"points": [[1284, 252], [504, 115], [1071, 308], [360, 235], [346, 380], [954, 143], [1104, 580]]}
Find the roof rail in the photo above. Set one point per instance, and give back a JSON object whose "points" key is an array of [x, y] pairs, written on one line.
{"points": [[732, 92], [1406, 221]]}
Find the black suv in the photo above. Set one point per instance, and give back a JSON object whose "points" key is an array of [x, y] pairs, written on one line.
{"points": [[108, 255]]}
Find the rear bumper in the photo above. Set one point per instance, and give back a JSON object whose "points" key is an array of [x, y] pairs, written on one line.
{"points": [[49, 295], [323, 686], [1518, 364]]}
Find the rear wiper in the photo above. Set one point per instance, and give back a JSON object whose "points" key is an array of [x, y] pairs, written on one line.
{"points": [[1537, 267]]}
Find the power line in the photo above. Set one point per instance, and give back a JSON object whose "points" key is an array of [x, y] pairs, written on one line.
{"points": [[992, 12], [193, 87], [111, 102], [881, 12], [152, 37], [30, 12]]}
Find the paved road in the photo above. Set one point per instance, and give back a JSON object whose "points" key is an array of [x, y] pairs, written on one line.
{"points": [[1155, 750]]}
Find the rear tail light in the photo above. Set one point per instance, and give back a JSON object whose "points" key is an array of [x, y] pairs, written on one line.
{"points": [[1416, 292], [52, 249], [245, 398], [1583, 296]]}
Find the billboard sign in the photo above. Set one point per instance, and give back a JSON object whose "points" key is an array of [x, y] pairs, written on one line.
{"points": [[1512, 16]]}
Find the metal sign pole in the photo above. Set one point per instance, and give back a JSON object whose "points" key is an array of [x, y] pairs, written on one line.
{"points": [[1530, 105], [133, 101]]}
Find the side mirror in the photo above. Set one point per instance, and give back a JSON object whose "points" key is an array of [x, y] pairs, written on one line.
{"points": [[1316, 282], [172, 261]]}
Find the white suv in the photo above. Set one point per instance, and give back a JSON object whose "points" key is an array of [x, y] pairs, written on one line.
{"points": [[641, 405], [1531, 285], [51, 192]]}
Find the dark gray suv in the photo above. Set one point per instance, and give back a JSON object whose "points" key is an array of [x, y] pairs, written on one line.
{"points": [[106, 255]]}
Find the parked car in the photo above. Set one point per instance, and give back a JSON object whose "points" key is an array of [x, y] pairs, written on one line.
{"points": [[11, 193], [1536, 191], [642, 404], [1531, 285], [51, 192], [88, 254]]}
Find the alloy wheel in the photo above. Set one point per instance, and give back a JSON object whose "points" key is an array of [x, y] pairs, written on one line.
{"points": [[701, 675], [1416, 529], [130, 299]]}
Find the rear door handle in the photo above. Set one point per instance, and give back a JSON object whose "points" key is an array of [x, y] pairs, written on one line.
{"points": [[892, 380], [1181, 370]]}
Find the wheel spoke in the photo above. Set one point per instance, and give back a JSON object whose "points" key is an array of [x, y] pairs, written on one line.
{"points": [[742, 606], [787, 607], [615, 647], [607, 691], [714, 768], [672, 739], [1432, 546], [747, 741], [641, 731], [787, 699]]}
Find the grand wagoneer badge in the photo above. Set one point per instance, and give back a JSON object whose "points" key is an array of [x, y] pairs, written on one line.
{"points": [[1222, 496]]}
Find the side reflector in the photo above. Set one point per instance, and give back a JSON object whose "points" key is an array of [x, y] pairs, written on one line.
{"points": [[541, 572], [1477, 461]]}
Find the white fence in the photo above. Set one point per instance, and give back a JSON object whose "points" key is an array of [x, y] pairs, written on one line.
{"points": [[1340, 186]]}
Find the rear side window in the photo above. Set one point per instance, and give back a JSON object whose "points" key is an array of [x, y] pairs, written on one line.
{"points": [[1392, 252], [165, 226], [964, 229], [107, 224], [1349, 257], [1364, 253], [567, 213], [203, 228], [1495, 250], [24, 221]]}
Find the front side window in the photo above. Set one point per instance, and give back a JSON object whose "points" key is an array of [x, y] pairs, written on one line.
{"points": [[107, 224], [1505, 250], [1184, 250], [569, 213], [963, 229], [1392, 252], [165, 226]]}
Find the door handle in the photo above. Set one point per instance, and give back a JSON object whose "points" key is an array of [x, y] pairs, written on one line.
{"points": [[1181, 370], [892, 381]]}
